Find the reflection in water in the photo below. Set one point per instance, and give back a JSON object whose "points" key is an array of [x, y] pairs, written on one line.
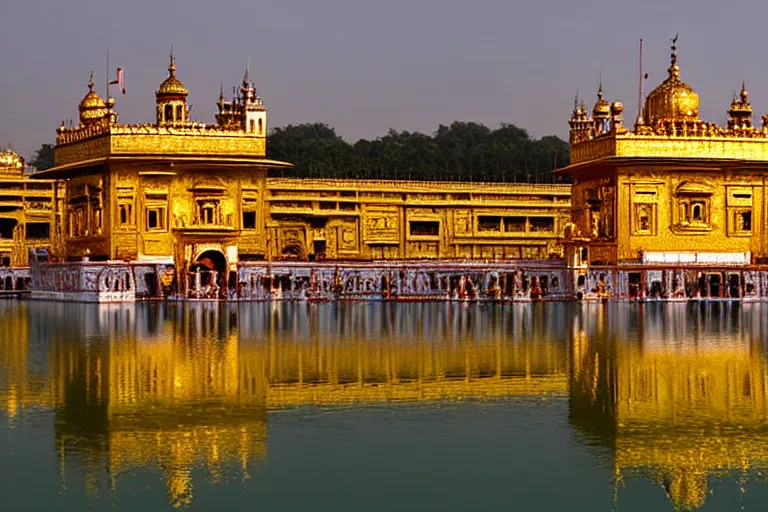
{"points": [[678, 392], [185, 387]]}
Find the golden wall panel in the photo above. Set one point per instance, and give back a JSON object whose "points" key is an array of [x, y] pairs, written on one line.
{"points": [[81, 151], [186, 143], [381, 224], [423, 249]]}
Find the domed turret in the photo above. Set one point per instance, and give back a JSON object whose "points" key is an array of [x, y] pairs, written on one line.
{"points": [[171, 98], [10, 162], [740, 112], [601, 113], [673, 100], [92, 107], [602, 108]]}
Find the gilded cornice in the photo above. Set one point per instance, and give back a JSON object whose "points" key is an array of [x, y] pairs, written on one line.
{"points": [[753, 148], [403, 186]]}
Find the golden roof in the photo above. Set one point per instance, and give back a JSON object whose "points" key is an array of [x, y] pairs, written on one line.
{"points": [[673, 99], [92, 106], [10, 161], [602, 108], [172, 85]]}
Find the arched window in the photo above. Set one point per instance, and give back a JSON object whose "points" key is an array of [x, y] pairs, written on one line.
{"points": [[261, 126], [169, 113], [179, 116], [698, 212]]}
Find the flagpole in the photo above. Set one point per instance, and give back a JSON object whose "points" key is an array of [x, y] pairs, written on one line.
{"points": [[640, 84], [107, 75]]}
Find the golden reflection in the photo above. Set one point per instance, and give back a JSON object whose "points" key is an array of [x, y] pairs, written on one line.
{"points": [[680, 396], [179, 389]]}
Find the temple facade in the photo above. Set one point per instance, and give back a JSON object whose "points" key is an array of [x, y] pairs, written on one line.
{"points": [[185, 210], [674, 208]]}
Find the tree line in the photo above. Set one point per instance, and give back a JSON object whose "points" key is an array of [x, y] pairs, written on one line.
{"points": [[463, 151]]}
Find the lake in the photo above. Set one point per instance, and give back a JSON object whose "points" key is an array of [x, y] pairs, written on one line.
{"points": [[382, 406]]}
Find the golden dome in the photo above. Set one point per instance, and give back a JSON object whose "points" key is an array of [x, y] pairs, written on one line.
{"points": [[92, 107], [602, 108], [10, 161], [172, 85], [673, 99]]}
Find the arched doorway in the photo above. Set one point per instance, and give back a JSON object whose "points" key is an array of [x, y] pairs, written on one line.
{"points": [[208, 275], [294, 252]]}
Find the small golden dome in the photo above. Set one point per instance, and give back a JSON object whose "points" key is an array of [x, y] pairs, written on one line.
{"points": [[172, 85], [92, 107], [10, 161], [602, 108], [673, 99]]}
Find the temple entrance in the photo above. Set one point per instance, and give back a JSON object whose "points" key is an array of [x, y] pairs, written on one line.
{"points": [[734, 286], [294, 252], [714, 285], [208, 276]]}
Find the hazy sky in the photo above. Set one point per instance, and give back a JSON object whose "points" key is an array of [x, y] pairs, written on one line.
{"points": [[365, 66]]}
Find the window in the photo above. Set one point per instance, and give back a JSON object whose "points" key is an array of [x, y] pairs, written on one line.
{"points": [[739, 211], [169, 113], [644, 212], [514, 224], [489, 224], [693, 209], [252, 126], [179, 116], [541, 224], [156, 207], [156, 218], [261, 126], [125, 212], [249, 220], [207, 212], [38, 230], [425, 228], [697, 209]]}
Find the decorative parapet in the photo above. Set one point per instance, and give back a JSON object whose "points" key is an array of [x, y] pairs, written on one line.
{"points": [[749, 145], [101, 139]]}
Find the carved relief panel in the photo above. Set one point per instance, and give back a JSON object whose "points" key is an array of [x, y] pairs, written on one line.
{"points": [[462, 223], [381, 224]]}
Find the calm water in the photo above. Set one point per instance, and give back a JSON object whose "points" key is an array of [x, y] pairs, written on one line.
{"points": [[383, 406]]}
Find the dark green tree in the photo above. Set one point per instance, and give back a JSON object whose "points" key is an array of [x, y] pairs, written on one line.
{"points": [[43, 158]]}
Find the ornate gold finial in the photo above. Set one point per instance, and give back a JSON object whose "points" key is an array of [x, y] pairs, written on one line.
{"points": [[602, 108], [90, 82], [172, 63], [674, 69]]}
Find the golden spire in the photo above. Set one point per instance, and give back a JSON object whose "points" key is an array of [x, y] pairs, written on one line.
{"points": [[602, 108], [172, 85], [740, 112], [92, 107], [673, 99]]}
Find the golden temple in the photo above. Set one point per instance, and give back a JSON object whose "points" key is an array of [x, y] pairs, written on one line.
{"points": [[179, 209], [190, 204]]}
